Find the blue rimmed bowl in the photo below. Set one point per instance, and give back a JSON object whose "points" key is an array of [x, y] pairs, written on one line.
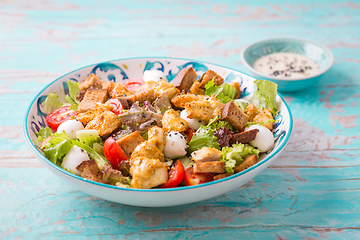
{"points": [[119, 71], [317, 52]]}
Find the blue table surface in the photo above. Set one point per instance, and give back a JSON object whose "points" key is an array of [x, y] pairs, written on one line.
{"points": [[310, 192]]}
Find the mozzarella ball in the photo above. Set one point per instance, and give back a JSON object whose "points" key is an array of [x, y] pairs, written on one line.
{"points": [[153, 75], [175, 145], [74, 157], [70, 127], [194, 123], [264, 138]]}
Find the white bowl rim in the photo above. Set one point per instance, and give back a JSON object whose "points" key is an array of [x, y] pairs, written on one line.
{"points": [[47, 161], [283, 78]]}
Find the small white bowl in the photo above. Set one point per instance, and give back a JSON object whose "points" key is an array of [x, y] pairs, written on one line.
{"points": [[317, 52], [119, 71]]}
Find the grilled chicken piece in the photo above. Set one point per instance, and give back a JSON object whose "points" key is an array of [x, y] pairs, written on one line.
{"points": [[199, 106], [148, 173], [116, 89], [156, 136], [147, 149], [105, 123], [251, 111], [265, 115], [172, 121], [165, 88], [206, 154]]}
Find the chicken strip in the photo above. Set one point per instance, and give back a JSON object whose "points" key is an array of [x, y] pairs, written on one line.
{"points": [[265, 115], [156, 136]]}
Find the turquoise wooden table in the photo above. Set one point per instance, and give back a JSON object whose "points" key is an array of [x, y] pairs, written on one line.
{"points": [[311, 192]]}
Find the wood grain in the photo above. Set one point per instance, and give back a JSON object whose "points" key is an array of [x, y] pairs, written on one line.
{"points": [[311, 192]]}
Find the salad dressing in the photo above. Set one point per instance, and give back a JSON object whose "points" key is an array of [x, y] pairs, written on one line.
{"points": [[288, 65]]}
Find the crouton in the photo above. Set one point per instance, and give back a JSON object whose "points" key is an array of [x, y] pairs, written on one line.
{"points": [[233, 115], [184, 79], [221, 176], [105, 123], [90, 170], [210, 75], [92, 80], [91, 97], [196, 89], [209, 167], [244, 137], [172, 121], [129, 142], [248, 162], [265, 115], [206, 154]]}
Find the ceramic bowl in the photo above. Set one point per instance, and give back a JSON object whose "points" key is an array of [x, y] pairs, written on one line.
{"points": [[120, 70], [313, 50]]}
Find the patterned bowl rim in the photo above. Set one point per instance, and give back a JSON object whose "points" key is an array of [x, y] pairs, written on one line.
{"points": [[286, 39], [47, 161]]}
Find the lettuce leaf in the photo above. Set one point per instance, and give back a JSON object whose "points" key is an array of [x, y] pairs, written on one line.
{"points": [[99, 159], [43, 134], [51, 103], [186, 162], [73, 93], [265, 95], [57, 147], [234, 155], [203, 137], [224, 93]]}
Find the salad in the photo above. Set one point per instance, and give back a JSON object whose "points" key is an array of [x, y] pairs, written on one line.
{"points": [[149, 133]]}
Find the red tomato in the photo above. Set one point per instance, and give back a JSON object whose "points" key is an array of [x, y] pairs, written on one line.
{"points": [[113, 153], [59, 116], [176, 175], [134, 84], [192, 178], [116, 105], [189, 133]]}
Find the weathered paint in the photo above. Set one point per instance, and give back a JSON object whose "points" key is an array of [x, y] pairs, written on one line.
{"points": [[311, 192]]}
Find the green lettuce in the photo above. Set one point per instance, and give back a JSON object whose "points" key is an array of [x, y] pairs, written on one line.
{"points": [[186, 162], [234, 155], [90, 140], [241, 105], [203, 137], [43, 134], [73, 93], [57, 147], [216, 123], [99, 159], [224, 93], [248, 124], [265, 95], [51, 103]]}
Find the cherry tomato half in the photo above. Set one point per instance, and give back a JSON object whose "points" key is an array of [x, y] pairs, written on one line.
{"points": [[60, 115], [192, 178], [116, 105], [113, 153], [189, 133], [134, 84], [176, 175]]}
